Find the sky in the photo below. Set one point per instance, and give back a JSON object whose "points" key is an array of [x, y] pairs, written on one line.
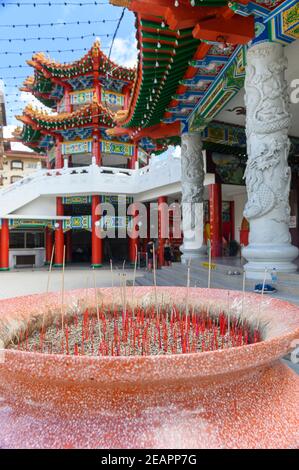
{"points": [[17, 43]]}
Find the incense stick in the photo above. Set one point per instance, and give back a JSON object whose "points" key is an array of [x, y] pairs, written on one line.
{"points": [[188, 289], [243, 290], [86, 291], [112, 282], [262, 295], [48, 283], [228, 314], [135, 269], [264, 282], [97, 301], [62, 291], [124, 283], [155, 277], [50, 268]]}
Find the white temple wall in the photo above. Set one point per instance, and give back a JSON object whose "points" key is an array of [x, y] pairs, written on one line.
{"points": [[42, 206]]}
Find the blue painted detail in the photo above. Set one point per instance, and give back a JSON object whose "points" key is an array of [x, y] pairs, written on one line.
{"points": [[284, 6], [81, 83], [82, 133], [57, 92], [195, 81], [189, 95], [208, 60], [218, 78], [185, 127], [46, 141], [112, 84], [251, 9], [261, 32], [279, 35], [180, 107]]}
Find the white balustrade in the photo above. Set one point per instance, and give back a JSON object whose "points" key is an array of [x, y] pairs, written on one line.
{"points": [[89, 180]]}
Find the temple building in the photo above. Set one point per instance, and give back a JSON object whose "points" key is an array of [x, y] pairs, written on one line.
{"points": [[86, 168], [236, 177]]}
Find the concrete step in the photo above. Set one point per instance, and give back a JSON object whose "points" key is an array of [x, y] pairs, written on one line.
{"points": [[199, 276], [177, 276], [287, 283]]}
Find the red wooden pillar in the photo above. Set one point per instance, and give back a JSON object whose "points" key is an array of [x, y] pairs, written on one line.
{"points": [[133, 241], [97, 87], [162, 224], [67, 101], [134, 159], [68, 247], [4, 246], [59, 236], [216, 219], [96, 241], [49, 244], [58, 155]]}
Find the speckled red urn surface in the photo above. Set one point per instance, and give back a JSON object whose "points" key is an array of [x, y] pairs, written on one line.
{"points": [[241, 397]]}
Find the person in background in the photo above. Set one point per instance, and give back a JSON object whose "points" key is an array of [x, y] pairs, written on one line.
{"points": [[150, 254], [167, 253]]}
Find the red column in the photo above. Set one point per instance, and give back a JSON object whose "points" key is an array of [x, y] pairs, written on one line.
{"points": [[96, 242], [134, 159], [59, 236], [98, 90], [96, 147], [68, 248], [161, 228], [58, 155], [4, 254], [133, 242], [49, 244], [67, 101], [216, 219]]}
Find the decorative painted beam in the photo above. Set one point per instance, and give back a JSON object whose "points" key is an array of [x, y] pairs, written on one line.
{"points": [[235, 30]]}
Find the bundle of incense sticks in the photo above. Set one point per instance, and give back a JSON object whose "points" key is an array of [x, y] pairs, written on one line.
{"points": [[139, 330]]}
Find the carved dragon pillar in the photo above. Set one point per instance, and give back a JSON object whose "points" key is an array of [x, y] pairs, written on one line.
{"points": [[267, 174], [192, 196]]}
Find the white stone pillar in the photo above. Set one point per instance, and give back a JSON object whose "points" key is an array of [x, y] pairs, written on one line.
{"points": [[267, 174], [192, 196]]}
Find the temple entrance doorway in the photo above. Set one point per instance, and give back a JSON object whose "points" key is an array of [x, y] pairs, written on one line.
{"points": [[81, 246], [116, 249]]}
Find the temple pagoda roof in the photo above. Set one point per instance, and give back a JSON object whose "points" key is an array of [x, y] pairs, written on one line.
{"points": [[81, 117], [51, 77], [41, 128], [176, 63], [33, 139]]}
